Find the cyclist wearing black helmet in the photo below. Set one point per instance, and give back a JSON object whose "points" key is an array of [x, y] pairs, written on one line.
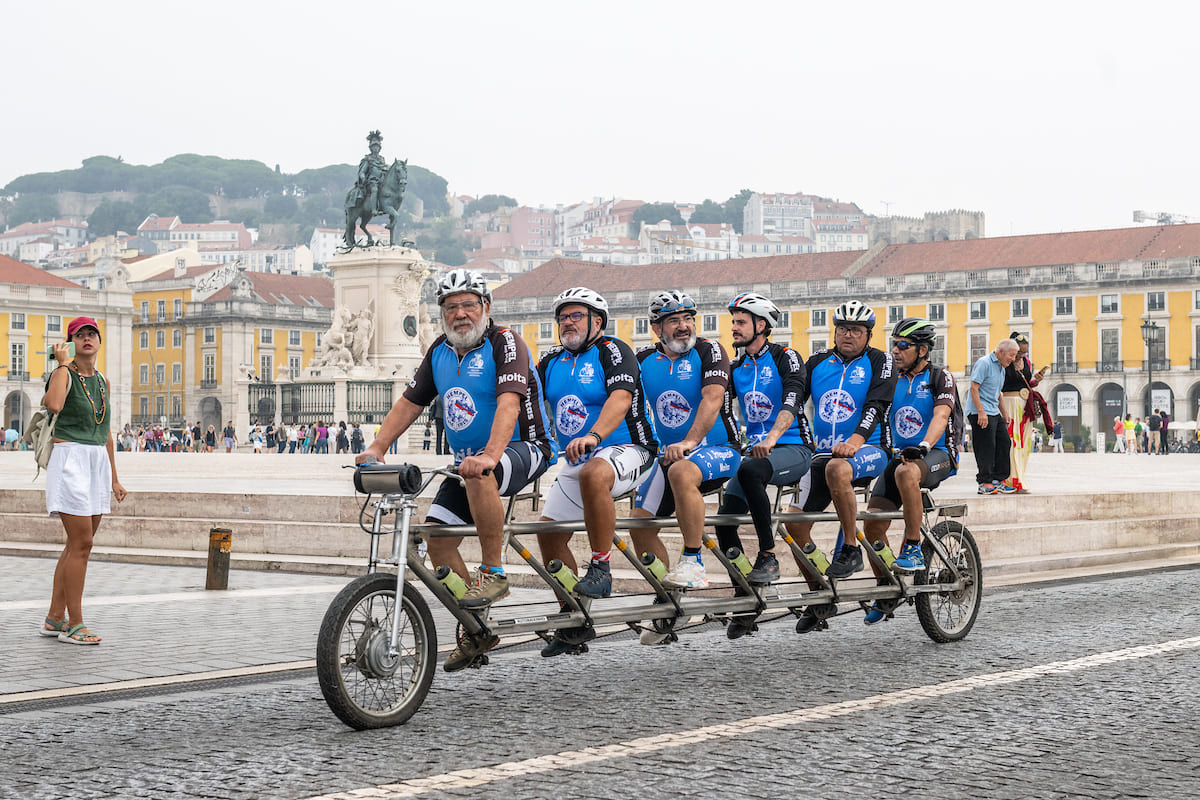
{"points": [[925, 435]]}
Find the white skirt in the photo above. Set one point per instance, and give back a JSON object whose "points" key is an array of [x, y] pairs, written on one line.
{"points": [[78, 480]]}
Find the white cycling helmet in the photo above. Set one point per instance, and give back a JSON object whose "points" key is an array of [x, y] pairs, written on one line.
{"points": [[664, 304], [758, 306], [461, 280], [855, 313], [583, 296]]}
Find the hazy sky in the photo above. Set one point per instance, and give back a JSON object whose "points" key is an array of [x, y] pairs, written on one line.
{"points": [[1047, 116]]}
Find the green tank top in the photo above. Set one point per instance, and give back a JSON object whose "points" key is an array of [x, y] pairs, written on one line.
{"points": [[77, 421]]}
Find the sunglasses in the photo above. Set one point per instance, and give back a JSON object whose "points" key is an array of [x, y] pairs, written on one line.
{"points": [[574, 316], [902, 345]]}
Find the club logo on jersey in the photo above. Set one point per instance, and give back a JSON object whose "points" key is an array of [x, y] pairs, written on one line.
{"points": [[587, 372], [758, 407], [908, 422], [475, 365], [460, 408], [766, 374], [672, 409], [837, 405], [857, 374], [683, 369], [570, 415]]}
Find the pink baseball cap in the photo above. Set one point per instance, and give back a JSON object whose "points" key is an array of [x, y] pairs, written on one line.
{"points": [[82, 322]]}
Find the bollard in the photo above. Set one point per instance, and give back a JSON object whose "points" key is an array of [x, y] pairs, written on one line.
{"points": [[219, 541]]}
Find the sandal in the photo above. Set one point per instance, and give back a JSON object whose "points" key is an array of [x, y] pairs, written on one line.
{"points": [[78, 634], [53, 628]]}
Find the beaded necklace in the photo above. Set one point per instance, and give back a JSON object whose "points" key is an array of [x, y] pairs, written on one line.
{"points": [[98, 415]]}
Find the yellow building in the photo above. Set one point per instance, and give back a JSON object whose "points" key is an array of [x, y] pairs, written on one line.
{"points": [[1082, 298], [35, 309]]}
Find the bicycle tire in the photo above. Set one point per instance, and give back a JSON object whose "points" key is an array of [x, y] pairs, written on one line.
{"points": [[949, 616], [361, 684]]}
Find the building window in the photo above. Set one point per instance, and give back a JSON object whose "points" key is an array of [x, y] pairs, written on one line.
{"points": [[1156, 301], [176, 406], [162, 310], [160, 339], [177, 373], [144, 406], [978, 346], [895, 314], [177, 338], [160, 374], [1020, 309], [546, 330], [144, 340], [937, 312], [818, 345], [818, 316], [144, 374], [160, 406], [1064, 347], [210, 367], [16, 321], [641, 326], [145, 311], [709, 323], [293, 338], [938, 354], [53, 324], [1109, 304], [178, 308], [978, 309], [320, 334], [294, 366], [266, 336], [785, 319], [266, 364], [16, 358], [210, 335], [1110, 348], [1064, 306]]}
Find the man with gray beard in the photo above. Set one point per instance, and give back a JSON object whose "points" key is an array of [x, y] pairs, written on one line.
{"points": [[495, 427]]}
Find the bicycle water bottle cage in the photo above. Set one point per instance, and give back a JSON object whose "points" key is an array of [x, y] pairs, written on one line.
{"points": [[387, 478]]}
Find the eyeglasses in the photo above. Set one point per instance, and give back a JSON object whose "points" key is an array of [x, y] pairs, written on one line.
{"points": [[465, 305], [902, 345], [574, 316], [850, 330]]}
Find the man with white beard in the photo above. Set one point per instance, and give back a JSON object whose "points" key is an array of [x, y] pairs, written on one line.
{"points": [[496, 429]]}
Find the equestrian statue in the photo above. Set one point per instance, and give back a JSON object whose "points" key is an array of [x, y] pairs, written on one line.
{"points": [[378, 190]]}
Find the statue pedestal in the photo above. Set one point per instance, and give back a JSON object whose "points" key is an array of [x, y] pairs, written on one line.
{"points": [[388, 280]]}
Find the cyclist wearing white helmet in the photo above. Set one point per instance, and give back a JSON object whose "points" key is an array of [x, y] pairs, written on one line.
{"points": [[851, 386], [686, 380], [496, 426], [770, 381], [595, 393]]}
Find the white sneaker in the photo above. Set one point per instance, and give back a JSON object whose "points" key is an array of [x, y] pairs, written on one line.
{"points": [[650, 636], [688, 574]]}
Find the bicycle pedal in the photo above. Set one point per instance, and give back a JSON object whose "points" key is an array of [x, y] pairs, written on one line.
{"points": [[578, 650], [480, 661]]}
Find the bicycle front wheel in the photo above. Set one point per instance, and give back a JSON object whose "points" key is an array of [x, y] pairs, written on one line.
{"points": [[364, 685], [949, 616]]}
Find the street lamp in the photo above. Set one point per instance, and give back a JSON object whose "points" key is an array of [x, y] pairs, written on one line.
{"points": [[1151, 335]]}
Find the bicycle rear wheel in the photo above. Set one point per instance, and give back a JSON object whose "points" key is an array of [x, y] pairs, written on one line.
{"points": [[363, 685], [949, 616]]}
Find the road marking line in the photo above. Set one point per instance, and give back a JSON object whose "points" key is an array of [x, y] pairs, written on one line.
{"points": [[223, 594], [466, 778], [146, 683]]}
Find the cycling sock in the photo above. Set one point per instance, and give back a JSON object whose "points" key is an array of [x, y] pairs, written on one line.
{"points": [[601, 558], [493, 570]]}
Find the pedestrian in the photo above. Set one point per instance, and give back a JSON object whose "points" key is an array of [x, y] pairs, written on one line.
{"points": [[256, 437], [281, 436], [210, 439], [1154, 430], [1119, 432], [321, 438], [1130, 435], [428, 437], [1056, 440], [270, 435], [81, 474], [230, 437], [1139, 435], [989, 426], [343, 439], [197, 437], [438, 413], [293, 437], [1162, 434], [356, 439], [1015, 394]]}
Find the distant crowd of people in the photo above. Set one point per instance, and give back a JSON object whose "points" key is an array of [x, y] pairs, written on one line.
{"points": [[319, 437]]}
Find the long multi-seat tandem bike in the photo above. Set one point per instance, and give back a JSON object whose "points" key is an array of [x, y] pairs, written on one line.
{"points": [[376, 657]]}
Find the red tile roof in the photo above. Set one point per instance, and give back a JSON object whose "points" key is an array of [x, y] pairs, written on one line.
{"points": [[190, 272], [22, 274], [275, 289], [156, 223]]}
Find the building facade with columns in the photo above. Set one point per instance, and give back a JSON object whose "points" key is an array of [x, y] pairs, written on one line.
{"points": [[1082, 298]]}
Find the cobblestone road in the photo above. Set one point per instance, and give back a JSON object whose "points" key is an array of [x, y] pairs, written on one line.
{"points": [[1098, 730]]}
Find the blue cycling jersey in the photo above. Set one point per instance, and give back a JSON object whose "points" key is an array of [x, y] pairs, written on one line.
{"points": [[768, 382], [674, 389], [850, 397], [578, 385], [913, 404], [470, 386]]}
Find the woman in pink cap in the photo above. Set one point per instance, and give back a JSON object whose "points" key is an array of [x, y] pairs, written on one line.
{"points": [[81, 474]]}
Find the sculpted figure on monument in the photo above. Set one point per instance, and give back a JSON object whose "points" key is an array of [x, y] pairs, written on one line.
{"points": [[378, 189], [362, 327]]}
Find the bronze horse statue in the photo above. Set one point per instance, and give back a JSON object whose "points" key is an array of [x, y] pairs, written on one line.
{"points": [[390, 193]]}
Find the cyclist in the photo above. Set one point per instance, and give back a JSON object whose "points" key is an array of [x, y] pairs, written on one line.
{"points": [[686, 381], [925, 433], [851, 386], [496, 428], [770, 381], [594, 390]]}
